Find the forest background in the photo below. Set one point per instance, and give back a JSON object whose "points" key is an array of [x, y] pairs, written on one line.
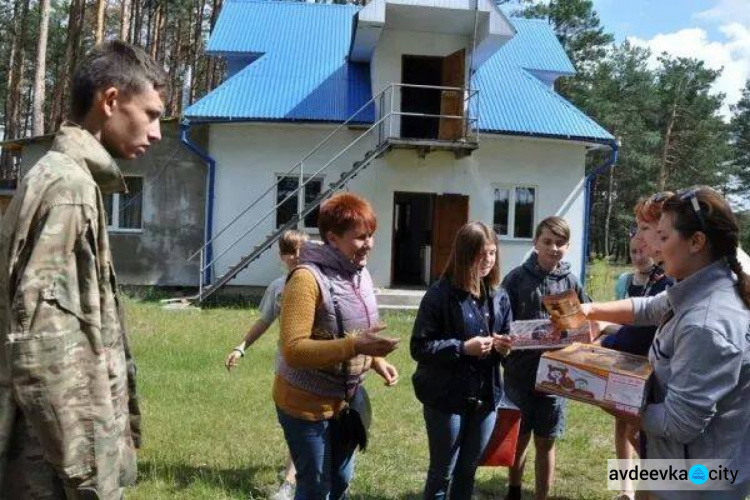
{"points": [[670, 123]]}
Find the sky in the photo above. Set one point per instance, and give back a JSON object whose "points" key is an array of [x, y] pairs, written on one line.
{"points": [[716, 31]]}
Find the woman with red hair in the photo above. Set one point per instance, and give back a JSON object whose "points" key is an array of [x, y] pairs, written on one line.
{"points": [[698, 401], [647, 281], [329, 340], [647, 215]]}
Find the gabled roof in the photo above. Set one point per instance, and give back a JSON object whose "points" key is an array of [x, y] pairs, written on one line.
{"points": [[535, 47], [301, 73], [513, 100]]}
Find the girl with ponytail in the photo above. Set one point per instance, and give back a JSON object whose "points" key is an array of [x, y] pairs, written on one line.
{"points": [[698, 406]]}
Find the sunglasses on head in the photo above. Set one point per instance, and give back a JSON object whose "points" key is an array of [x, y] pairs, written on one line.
{"points": [[661, 197], [691, 195]]}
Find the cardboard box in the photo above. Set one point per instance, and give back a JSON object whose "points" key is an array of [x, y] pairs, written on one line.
{"points": [[564, 310], [596, 375], [542, 334]]}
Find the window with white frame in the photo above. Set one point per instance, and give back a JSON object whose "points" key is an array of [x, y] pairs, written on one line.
{"points": [[514, 210], [286, 185], [125, 210]]}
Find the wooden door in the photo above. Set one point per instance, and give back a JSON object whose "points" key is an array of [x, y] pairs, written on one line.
{"points": [[451, 101], [450, 212]]}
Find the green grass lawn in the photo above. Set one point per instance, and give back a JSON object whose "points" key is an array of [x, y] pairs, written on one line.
{"points": [[213, 435]]}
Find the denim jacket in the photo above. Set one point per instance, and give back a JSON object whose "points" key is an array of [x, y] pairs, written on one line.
{"points": [[446, 378]]}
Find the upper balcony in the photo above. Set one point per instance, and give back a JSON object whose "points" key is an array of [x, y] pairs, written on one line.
{"points": [[429, 118]]}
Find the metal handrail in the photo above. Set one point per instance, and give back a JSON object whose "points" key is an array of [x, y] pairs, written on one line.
{"points": [[296, 191], [434, 87], [468, 94], [428, 115], [294, 167]]}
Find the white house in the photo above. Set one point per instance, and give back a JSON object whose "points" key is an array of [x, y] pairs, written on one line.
{"points": [[455, 99]]}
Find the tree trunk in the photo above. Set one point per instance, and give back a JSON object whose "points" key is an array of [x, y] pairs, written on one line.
{"points": [[154, 38], [174, 108], [27, 102], [213, 77], [138, 25], [101, 5], [37, 127], [195, 46], [17, 56], [664, 166], [75, 26], [162, 31], [57, 72], [125, 12]]}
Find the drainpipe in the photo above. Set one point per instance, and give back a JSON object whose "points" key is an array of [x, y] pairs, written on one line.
{"points": [[614, 147], [209, 224]]}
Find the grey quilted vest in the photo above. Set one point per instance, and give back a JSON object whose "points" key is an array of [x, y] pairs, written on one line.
{"points": [[351, 288]]}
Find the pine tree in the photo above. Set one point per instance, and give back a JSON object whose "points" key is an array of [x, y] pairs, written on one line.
{"points": [[740, 131]]}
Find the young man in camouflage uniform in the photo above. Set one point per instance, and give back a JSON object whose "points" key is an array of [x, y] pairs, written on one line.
{"points": [[69, 419]]}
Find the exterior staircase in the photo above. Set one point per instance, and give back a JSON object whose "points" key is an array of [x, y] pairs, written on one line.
{"points": [[381, 139], [272, 238], [393, 299]]}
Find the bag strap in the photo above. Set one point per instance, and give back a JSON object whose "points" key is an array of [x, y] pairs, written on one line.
{"points": [[337, 311], [341, 335]]}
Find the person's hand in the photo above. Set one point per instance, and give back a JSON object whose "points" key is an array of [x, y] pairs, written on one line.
{"points": [[478, 346], [385, 370], [369, 343], [586, 309], [232, 359], [502, 343], [607, 328], [632, 420]]}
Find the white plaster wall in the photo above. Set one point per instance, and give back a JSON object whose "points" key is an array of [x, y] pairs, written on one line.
{"points": [[248, 156], [555, 168]]}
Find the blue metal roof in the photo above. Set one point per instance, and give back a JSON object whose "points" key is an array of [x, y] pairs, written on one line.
{"points": [[512, 100], [284, 27], [300, 72], [535, 47]]}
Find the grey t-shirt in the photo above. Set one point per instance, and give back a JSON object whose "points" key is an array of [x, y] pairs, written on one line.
{"points": [[270, 305]]}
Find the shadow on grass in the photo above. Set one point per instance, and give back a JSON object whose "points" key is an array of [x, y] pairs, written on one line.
{"points": [[488, 489], [240, 481], [412, 495]]}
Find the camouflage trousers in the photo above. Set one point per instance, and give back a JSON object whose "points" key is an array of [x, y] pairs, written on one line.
{"points": [[30, 477]]}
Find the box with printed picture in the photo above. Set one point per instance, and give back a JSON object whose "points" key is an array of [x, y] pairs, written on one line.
{"points": [[567, 324], [542, 334], [596, 375]]}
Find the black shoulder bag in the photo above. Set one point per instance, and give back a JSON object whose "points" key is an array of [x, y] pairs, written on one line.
{"points": [[356, 416]]}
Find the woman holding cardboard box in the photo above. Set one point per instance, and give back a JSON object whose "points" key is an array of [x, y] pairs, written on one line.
{"points": [[647, 279], [698, 407]]}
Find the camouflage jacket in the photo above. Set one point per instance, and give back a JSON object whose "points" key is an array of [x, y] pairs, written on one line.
{"points": [[65, 364]]}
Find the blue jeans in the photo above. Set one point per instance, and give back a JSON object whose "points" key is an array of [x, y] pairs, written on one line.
{"points": [[324, 464], [457, 442]]}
